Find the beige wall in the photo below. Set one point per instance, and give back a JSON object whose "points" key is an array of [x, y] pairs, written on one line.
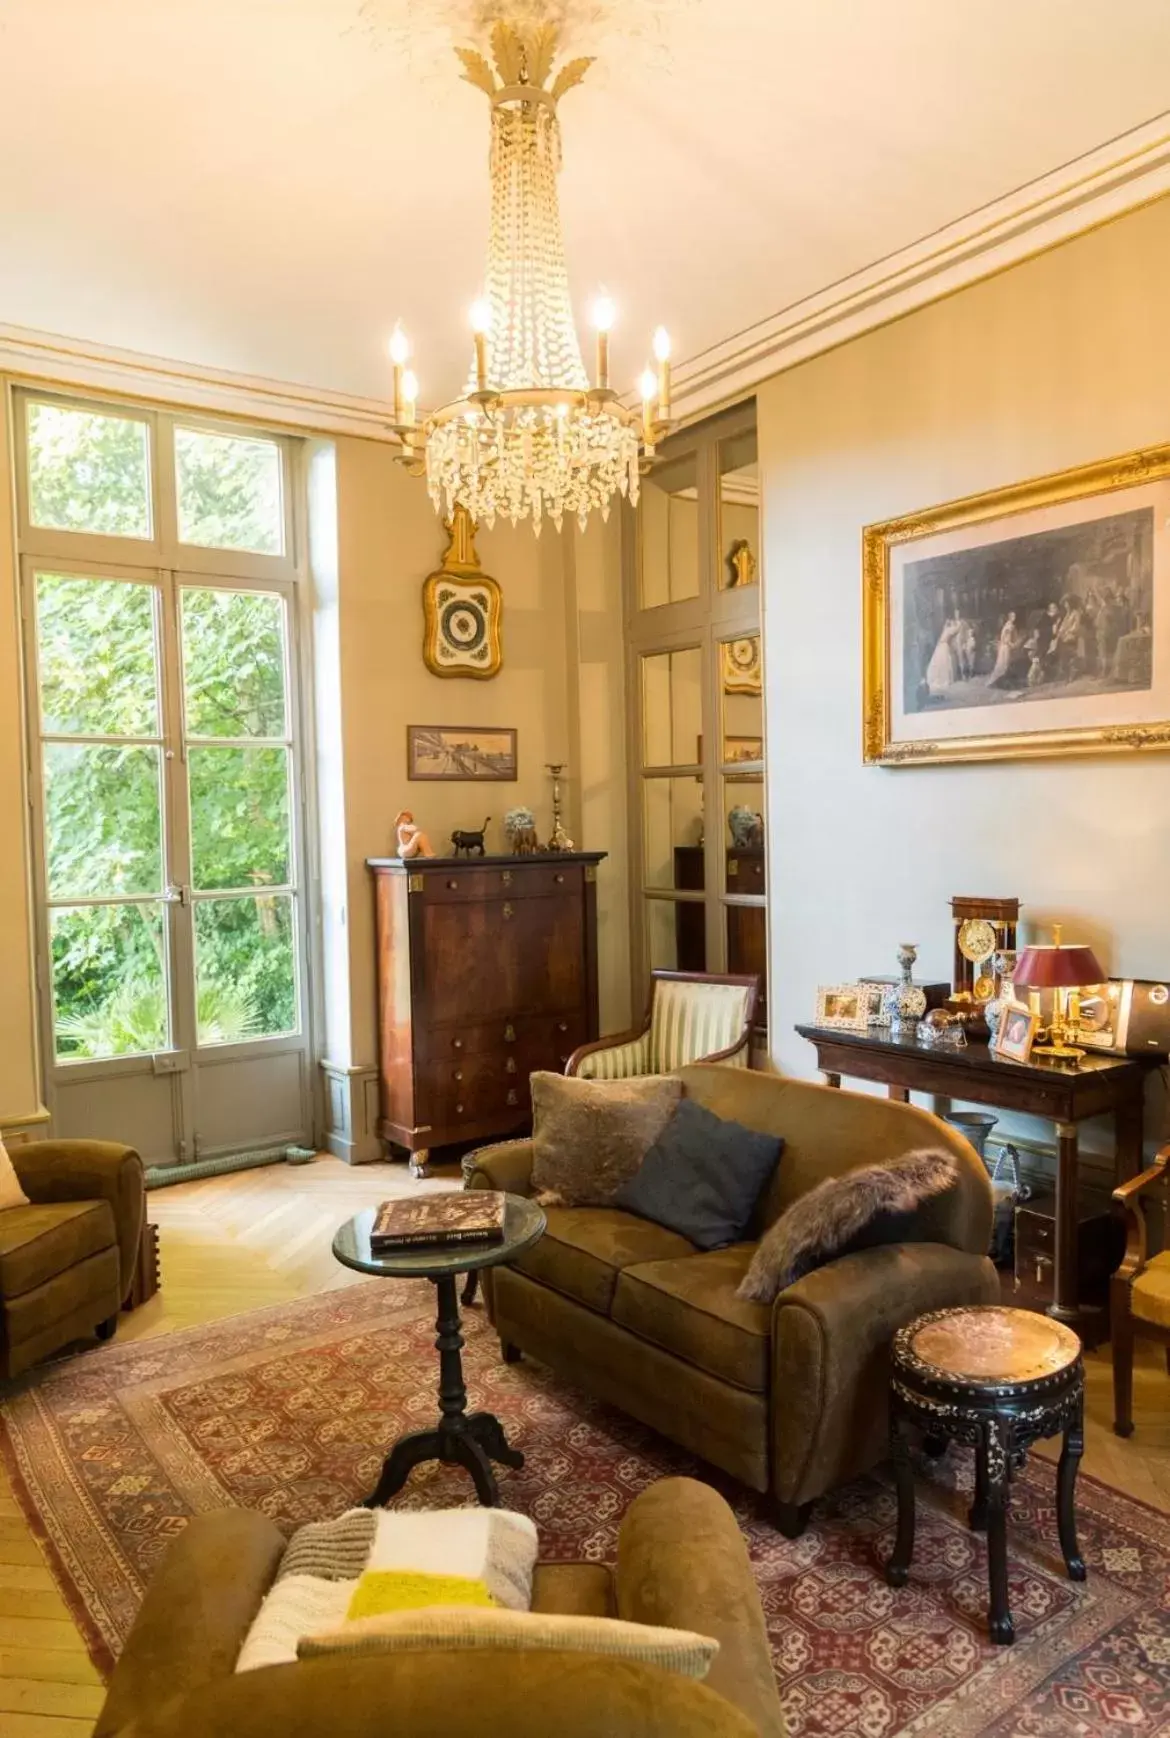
{"points": [[1060, 361], [560, 686]]}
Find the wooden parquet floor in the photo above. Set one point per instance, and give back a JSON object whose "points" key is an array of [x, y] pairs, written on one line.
{"points": [[236, 1243]]}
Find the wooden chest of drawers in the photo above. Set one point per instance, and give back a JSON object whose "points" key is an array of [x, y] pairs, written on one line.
{"points": [[487, 971]]}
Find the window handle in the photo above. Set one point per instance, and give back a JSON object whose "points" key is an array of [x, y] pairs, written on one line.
{"points": [[175, 895]]}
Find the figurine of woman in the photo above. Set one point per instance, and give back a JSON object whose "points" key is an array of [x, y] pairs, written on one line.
{"points": [[412, 841]]}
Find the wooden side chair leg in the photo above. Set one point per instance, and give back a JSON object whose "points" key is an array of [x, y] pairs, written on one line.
{"points": [[1122, 1337]]}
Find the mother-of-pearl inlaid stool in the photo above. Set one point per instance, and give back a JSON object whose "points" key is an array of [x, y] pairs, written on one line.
{"points": [[998, 1379]]}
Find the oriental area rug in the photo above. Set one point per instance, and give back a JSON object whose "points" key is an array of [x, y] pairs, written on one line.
{"points": [[290, 1410]]}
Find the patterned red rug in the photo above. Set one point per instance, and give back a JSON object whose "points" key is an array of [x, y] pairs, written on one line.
{"points": [[289, 1410]]}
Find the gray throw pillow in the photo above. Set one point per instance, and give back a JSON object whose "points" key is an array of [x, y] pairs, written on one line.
{"points": [[874, 1204], [702, 1177], [590, 1136]]}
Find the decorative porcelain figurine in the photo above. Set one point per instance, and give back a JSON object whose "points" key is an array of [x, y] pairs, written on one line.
{"points": [[520, 827], [412, 841], [905, 1002], [747, 828]]}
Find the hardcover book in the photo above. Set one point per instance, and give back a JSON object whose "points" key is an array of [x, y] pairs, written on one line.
{"points": [[458, 1216]]}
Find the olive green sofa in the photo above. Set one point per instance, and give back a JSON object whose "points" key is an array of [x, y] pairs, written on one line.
{"points": [[681, 1563], [67, 1260], [788, 1397]]}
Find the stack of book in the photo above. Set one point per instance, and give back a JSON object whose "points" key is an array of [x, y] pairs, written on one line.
{"points": [[474, 1216]]}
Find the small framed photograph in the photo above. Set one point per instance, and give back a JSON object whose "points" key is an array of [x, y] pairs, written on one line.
{"points": [[846, 1006], [435, 751], [1016, 1032]]}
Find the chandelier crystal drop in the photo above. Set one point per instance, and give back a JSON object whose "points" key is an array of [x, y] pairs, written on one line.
{"points": [[531, 436]]}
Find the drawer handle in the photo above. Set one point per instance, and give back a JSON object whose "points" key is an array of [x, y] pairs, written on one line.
{"points": [[559, 879], [459, 1074], [509, 1033], [507, 909], [510, 1065], [562, 1025], [456, 1043], [513, 1098], [506, 877], [458, 1110], [452, 885]]}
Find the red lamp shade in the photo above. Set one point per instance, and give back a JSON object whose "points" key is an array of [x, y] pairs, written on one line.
{"points": [[1057, 968]]}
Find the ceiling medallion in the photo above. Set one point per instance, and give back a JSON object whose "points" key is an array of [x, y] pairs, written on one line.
{"points": [[531, 436]]}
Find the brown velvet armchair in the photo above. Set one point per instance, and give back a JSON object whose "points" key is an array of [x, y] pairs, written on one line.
{"points": [[1139, 1302], [67, 1259], [682, 1564]]}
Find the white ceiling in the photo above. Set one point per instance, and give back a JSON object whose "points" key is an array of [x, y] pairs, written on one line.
{"points": [[266, 185]]}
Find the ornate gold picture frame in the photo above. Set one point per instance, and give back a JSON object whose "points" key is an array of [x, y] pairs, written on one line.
{"points": [[463, 610], [1032, 620]]}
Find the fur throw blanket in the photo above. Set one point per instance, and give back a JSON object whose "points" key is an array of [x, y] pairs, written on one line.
{"points": [[875, 1204]]}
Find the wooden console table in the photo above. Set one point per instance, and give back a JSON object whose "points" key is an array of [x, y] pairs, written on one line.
{"points": [[1067, 1096]]}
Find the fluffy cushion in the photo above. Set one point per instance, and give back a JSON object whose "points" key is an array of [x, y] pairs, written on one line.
{"points": [[590, 1136], [11, 1193], [875, 1204], [457, 1628], [702, 1177]]}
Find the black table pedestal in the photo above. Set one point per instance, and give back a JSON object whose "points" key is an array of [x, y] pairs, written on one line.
{"points": [[471, 1440]]}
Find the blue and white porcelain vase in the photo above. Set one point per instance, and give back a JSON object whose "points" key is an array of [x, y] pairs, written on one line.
{"points": [[904, 1003], [1005, 965]]}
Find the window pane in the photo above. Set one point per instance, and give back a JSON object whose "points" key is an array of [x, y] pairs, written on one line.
{"points": [[672, 832], [230, 494], [739, 512], [233, 663], [109, 980], [103, 820], [88, 471], [96, 652], [672, 708], [743, 700], [245, 970], [668, 518], [239, 816]]}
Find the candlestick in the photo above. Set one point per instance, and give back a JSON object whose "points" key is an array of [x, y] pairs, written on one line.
{"points": [[649, 387], [481, 325], [603, 318], [410, 397], [662, 353], [399, 351]]}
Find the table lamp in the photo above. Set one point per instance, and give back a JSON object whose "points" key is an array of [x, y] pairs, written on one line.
{"points": [[1062, 970]]}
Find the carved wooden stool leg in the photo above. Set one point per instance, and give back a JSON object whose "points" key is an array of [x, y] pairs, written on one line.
{"points": [[998, 1452], [1066, 1480], [898, 1567]]}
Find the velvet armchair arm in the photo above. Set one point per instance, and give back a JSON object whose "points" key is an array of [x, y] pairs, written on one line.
{"points": [[1129, 1197], [197, 1611], [682, 1563], [831, 1334], [507, 1165], [89, 1171]]}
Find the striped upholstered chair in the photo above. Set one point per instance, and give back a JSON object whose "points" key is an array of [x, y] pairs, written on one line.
{"points": [[692, 1018]]}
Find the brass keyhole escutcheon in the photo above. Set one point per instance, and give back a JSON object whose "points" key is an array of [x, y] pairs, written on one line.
{"points": [[509, 1033], [506, 877], [510, 1065], [513, 1098], [507, 909]]}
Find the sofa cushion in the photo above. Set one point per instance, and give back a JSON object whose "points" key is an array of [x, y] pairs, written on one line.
{"points": [[589, 1136], [702, 1177], [584, 1250], [690, 1308], [41, 1241]]}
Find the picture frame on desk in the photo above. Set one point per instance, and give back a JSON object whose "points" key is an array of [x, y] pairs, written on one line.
{"points": [[844, 1007], [1015, 1033]]}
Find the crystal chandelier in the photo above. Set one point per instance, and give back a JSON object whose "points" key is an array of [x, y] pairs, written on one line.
{"points": [[530, 435]]}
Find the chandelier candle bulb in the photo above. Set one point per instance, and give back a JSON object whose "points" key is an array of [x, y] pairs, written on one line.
{"points": [[649, 387], [662, 353], [603, 318], [481, 325], [399, 351], [409, 389]]}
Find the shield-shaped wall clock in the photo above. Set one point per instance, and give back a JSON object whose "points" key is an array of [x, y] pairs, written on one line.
{"points": [[462, 609]]}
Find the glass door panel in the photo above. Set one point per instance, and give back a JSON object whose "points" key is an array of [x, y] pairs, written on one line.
{"points": [[234, 654], [672, 708], [99, 704], [669, 516], [739, 513]]}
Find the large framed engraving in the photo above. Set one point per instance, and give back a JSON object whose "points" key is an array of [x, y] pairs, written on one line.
{"points": [[1033, 620]]}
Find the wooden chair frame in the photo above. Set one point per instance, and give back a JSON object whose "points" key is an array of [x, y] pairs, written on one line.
{"points": [[751, 983], [1125, 1327]]}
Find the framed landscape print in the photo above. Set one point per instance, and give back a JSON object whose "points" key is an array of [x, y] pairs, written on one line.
{"points": [[452, 751], [1034, 620]]}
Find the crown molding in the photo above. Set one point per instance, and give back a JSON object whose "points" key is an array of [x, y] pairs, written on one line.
{"points": [[50, 360], [1129, 171]]}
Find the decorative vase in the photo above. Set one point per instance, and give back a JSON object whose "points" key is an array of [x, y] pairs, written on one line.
{"points": [[1005, 966], [904, 1003]]}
